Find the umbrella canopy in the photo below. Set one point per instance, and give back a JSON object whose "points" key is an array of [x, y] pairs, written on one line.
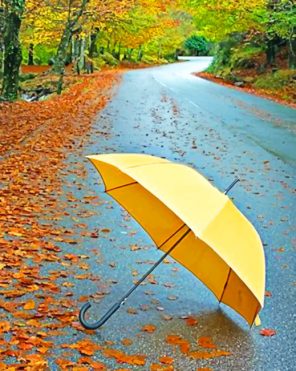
{"points": [[173, 202]]}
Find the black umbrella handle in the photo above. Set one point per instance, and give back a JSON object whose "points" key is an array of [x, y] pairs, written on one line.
{"points": [[95, 325]]}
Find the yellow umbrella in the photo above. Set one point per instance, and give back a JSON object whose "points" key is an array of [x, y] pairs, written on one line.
{"points": [[192, 221]]}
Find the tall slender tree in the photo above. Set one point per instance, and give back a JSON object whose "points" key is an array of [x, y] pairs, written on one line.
{"points": [[13, 10]]}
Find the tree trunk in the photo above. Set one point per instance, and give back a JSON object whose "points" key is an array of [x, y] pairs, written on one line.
{"points": [[81, 54], [93, 49], [61, 56], [140, 54], [76, 41], [129, 54], [292, 54], [60, 59], [2, 22], [159, 51], [12, 53], [270, 54], [113, 52], [119, 52], [31, 55]]}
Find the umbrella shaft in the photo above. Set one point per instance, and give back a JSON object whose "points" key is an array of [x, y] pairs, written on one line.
{"points": [[123, 299], [231, 186]]}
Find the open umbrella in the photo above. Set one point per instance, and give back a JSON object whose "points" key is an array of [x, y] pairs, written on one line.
{"points": [[191, 221]]}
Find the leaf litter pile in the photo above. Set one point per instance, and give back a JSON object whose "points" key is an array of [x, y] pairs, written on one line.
{"points": [[37, 304]]}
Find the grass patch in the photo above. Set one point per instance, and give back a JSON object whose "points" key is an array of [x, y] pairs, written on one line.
{"points": [[276, 80]]}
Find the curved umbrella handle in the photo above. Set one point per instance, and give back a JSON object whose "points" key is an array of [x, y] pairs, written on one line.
{"points": [[116, 306], [95, 325]]}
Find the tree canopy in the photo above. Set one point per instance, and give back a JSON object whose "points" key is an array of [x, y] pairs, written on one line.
{"points": [[131, 29]]}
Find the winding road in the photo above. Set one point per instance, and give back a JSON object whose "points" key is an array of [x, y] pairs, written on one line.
{"points": [[223, 133]]}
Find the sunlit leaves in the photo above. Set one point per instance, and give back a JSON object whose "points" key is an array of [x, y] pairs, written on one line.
{"points": [[216, 20]]}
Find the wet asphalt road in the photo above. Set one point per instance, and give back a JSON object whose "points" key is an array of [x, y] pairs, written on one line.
{"points": [[223, 133]]}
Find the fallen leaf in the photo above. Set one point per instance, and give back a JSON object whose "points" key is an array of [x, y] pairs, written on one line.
{"points": [[132, 311], [148, 328], [172, 297], [281, 249], [267, 332], [167, 317], [166, 360], [135, 360], [30, 304], [206, 342], [191, 321], [179, 341], [85, 347], [126, 342], [158, 367], [4, 326]]}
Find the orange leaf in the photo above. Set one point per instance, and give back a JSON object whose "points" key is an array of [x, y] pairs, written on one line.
{"points": [[178, 340], [4, 326], [85, 347], [148, 328], [166, 360], [157, 367], [136, 360], [190, 321], [95, 365], [206, 342], [267, 332], [30, 304], [126, 342]]}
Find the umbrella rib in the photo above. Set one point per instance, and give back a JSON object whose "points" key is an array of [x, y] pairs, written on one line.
{"points": [[226, 283], [122, 186], [179, 229]]}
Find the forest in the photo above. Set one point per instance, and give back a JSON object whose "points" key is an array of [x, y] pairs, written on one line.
{"points": [[252, 42]]}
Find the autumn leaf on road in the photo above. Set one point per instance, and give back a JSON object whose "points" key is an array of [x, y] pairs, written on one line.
{"points": [[148, 328], [30, 304], [206, 342], [267, 332]]}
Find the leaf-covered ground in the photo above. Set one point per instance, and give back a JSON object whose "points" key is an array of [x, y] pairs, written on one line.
{"points": [[35, 138]]}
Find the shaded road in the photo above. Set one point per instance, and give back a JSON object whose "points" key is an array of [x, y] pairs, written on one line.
{"points": [[166, 111]]}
